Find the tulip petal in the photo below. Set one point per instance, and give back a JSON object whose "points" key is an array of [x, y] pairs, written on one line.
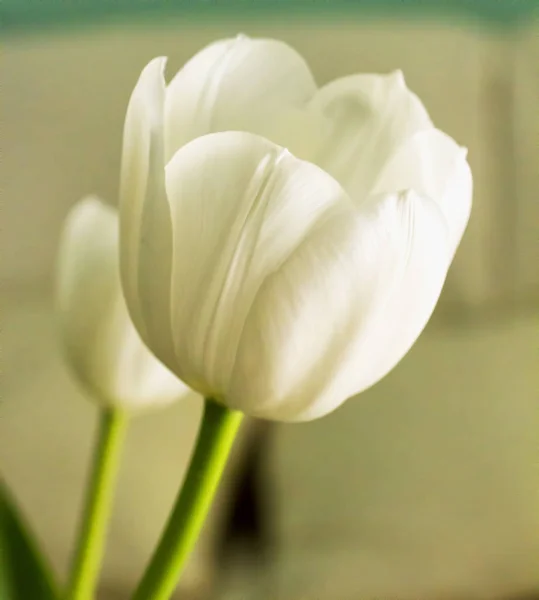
{"points": [[343, 310], [235, 84], [434, 165], [366, 118], [146, 234], [240, 206], [101, 341]]}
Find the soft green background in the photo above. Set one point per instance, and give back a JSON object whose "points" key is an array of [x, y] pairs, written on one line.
{"points": [[426, 486]]}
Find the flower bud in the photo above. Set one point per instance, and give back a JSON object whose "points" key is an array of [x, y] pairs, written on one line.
{"points": [[100, 342]]}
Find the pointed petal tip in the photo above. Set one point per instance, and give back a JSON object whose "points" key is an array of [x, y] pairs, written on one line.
{"points": [[154, 70], [157, 63], [148, 96]]}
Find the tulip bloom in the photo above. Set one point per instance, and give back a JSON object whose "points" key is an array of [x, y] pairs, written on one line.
{"points": [[100, 341], [283, 246]]}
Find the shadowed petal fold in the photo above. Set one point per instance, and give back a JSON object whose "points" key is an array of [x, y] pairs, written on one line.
{"points": [[433, 164], [366, 117]]}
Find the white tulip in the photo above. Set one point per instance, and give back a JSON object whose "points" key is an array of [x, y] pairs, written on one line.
{"points": [[279, 281], [100, 341]]}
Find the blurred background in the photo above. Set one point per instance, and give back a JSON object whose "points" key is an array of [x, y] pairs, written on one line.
{"points": [[427, 486]]}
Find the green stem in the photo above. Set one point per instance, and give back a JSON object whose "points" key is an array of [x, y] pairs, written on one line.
{"points": [[93, 527], [215, 439]]}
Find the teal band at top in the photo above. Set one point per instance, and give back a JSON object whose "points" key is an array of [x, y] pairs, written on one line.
{"points": [[19, 16]]}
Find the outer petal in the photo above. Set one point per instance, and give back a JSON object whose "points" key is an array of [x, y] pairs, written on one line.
{"points": [[101, 341], [366, 118], [240, 206], [434, 165], [146, 234], [343, 310], [235, 84]]}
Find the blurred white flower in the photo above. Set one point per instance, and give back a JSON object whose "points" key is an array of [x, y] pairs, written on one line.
{"points": [[100, 341], [282, 281]]}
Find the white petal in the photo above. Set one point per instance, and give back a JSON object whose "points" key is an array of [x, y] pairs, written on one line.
{"points": [[240, 206], [343, 310], [434, 165], [235, 84], [101, 341], [146, 235], [367, 117]]}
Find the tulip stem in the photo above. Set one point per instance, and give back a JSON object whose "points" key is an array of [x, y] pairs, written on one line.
{"points": [[98, 503], [215, 439]]}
